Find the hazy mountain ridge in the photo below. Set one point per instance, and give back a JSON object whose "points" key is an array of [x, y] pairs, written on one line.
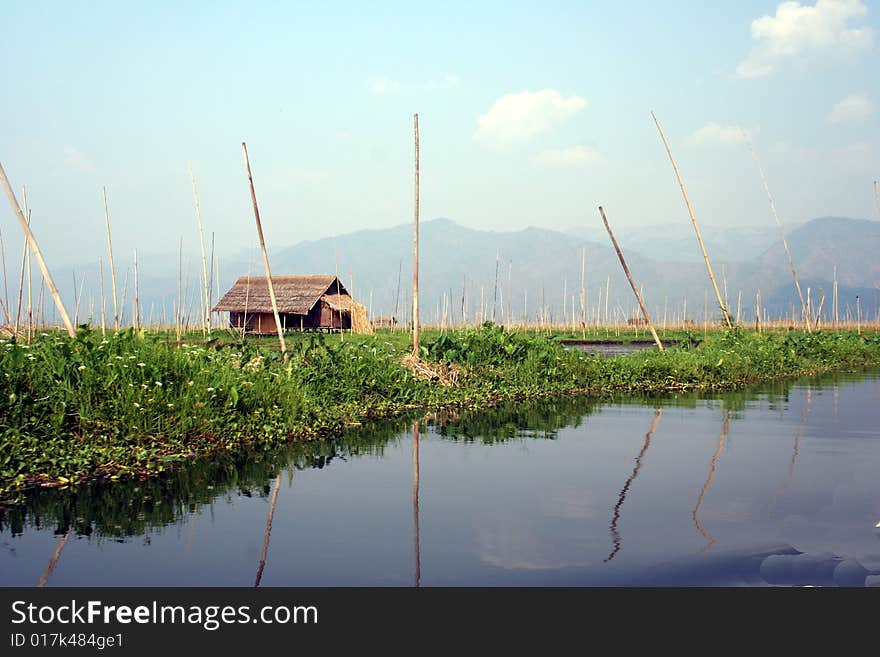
{"points": [[540, 267]]}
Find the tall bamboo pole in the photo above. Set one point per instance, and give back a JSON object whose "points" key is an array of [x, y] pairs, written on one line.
{"points": [[5, 286], [278, 326], [415, 299], [112, 267], [30, 287], [583, 293], [103, 309], [137, 301], [205, 281], [694, 222], [24, 263], [794, 275], [32, 243], [631, 281]]}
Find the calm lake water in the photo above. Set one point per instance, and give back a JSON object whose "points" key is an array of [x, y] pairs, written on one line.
{"points": [[777, 484]]}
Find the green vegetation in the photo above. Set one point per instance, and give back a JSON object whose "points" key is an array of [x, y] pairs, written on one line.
{"points": [[128, 406]]}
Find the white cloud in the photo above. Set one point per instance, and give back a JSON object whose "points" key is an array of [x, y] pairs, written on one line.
{"points": [[77, 161], [520, 117], [798, 29], [446, 82], [851, 108], [384, 86], [713, 133], [567, 157]]}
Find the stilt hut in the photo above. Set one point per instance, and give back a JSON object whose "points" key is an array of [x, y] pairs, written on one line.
{"points": [[315, 302]]}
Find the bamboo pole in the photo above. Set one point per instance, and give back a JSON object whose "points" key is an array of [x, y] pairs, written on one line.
{"points": [[32, 242], [694, 222], [278, 326], [794, 275], [27, 256], [24, 262], [178, 315], [583, 293], [836, 306], [205, 281], [5, 286], [137, 301], [103, 309], [272, 503], [631, 281], [415, 296], [877, 195], [112, 267]]}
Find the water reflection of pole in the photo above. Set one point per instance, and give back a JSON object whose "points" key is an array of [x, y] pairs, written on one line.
{"points": [[797, 445], [54, 560], [615, 535], [724, 430], [418, 565], [272, 503]]}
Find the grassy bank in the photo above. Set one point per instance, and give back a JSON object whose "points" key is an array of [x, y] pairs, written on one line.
{"points": [[129, 405]]}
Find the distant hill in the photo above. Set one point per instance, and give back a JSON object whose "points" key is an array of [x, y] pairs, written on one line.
{"points": [[542, 270]]}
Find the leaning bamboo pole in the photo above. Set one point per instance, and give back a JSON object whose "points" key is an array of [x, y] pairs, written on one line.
{"points": [[112, 268], [32, 243], [797, 283], [278, 326], [694, 222], [631, 281], [415, 297], [24, 262]]}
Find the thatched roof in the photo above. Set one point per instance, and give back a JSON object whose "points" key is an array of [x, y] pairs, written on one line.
{"points": [[294, 294]]}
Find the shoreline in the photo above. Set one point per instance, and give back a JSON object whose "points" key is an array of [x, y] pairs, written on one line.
{"points": [[331, 388]]}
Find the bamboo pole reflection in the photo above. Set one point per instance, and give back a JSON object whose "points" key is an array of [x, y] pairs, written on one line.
{"points": [[696, 513], [418, 567], [798, 437], [54, 559], [615, 535], [268, 531]]}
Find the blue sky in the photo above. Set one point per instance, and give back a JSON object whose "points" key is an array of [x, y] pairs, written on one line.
{"points": [[530, 114]]}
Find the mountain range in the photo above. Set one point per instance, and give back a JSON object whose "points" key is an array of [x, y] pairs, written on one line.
{"points": [[479, 274]]}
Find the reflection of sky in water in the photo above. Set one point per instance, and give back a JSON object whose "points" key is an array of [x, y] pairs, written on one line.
{"points": [[797, 473]]}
